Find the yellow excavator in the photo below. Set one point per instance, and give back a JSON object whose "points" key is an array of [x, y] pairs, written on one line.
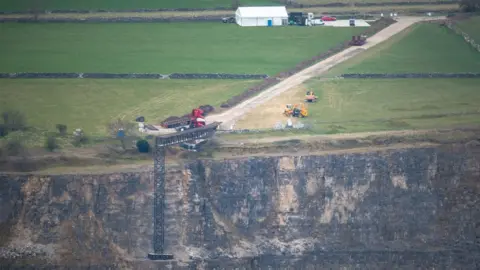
{"points": [[297, 110], [310, 97]]}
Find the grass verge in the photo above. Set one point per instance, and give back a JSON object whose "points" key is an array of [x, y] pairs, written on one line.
{"points": [[91, 104], [471, 26], [25, 5], [161, 48], [422, 48]]}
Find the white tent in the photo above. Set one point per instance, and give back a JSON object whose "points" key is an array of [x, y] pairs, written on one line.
{"points": [[261, 16]]}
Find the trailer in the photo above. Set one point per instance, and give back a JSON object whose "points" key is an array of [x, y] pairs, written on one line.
{"points": [[358, 40]]}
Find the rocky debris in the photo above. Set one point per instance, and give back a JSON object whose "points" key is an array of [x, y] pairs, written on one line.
{"points": [[26, 250]]}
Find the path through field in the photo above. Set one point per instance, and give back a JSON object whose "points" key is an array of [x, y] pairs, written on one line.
{"points": [[234, 114]]}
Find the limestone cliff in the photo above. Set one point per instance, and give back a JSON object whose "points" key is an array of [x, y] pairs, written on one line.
{"points": [[413, 207]]}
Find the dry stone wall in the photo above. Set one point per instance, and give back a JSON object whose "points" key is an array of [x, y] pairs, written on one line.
{"points": [[408, 75], [33, 75], [451, 25]]}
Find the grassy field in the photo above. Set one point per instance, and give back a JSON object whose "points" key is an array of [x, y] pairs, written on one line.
{"points": [[91, 104], [471, 26], [368, 105], [161, 48], [375, 105], [22, 5], [421, 48], [25, 5], [313, 2], [318, 11]]}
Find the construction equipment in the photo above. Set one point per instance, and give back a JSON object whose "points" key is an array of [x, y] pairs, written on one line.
{"points": [[297, 110], [184, 121], [358, 40], [303, 19], [197, 119], [310, 97]]}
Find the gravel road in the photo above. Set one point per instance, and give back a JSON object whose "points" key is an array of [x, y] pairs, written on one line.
{"points": [[229, 117]]}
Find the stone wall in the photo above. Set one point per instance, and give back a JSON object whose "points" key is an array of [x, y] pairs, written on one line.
{"points": [[412, 207], [408, 75], [36, 75], [451, 25]]}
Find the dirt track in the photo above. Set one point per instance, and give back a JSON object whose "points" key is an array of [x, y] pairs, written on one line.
{"points": [[229, 117]]}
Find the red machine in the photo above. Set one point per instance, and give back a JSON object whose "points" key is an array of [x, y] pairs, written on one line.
{"points": [[197, 118]]}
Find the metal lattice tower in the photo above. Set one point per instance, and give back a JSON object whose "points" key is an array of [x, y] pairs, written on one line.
{"points": [[161, 142]]}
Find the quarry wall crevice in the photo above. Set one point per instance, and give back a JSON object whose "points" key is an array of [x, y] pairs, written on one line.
{"points": [[377, 208]]}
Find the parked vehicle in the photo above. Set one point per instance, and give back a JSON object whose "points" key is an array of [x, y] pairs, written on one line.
{"points": [[328, 19]]}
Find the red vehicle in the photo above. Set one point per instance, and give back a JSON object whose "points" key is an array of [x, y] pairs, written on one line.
{"points": [[197, 118], [328, 19]]}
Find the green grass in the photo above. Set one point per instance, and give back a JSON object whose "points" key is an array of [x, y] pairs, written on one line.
{"points": [[313, 2], [161, 48], [471, 26], [23, 5], [421, 48], [374, 105], [91, 104]]}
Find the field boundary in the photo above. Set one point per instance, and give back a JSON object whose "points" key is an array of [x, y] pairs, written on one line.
{"points": [[165, 19], [408, 75], [182, 76], [452, 26], [271, 81], [290, 5]]}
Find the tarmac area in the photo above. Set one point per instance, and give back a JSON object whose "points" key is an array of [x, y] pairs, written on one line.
{"points": [[346, 23]]}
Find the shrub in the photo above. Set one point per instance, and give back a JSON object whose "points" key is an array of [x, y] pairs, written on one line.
{"points": [[51, 143], [143, 146], [14, 147], [12, 121], [118, 124], [79, 138], [62, 129]]}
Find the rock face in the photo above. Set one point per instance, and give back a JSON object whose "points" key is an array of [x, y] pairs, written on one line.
{"points": [[413, 208]]}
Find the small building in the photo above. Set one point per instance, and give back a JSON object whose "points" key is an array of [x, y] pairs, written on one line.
{"points": [[261, 16]]}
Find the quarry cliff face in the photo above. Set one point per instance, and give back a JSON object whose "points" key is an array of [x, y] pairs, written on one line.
{"points": [[415, 207]]}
